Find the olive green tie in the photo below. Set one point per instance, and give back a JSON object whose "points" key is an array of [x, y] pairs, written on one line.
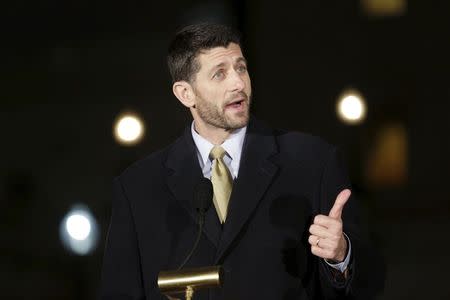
{"points": [[222, 182]]}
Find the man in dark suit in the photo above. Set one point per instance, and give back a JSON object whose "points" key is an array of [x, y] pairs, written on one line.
{"points": [[278, 224]]}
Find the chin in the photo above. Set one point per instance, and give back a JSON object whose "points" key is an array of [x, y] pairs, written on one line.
{"points": [[238, 122]]}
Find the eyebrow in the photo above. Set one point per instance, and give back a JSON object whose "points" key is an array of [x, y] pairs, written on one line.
{"points": [[218, 66], [239, 60]]}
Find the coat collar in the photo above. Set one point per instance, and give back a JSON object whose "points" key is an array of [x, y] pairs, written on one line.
{"points": [[183, 176], [256, 172]]}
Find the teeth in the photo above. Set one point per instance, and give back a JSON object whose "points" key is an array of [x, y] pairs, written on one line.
{"points": [[236, 103]]}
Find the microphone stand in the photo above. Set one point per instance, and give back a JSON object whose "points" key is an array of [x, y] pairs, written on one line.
{"points": [[201, 222], [188, 280]]}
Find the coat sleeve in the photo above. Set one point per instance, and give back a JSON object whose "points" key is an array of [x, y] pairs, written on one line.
{"points": [[365, 271], [121, 272]]}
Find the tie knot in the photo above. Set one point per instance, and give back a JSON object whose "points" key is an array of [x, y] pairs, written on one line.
{"points": [[217, 152]]}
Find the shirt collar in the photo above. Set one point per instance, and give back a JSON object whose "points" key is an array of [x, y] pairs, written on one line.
{"points": [[232, 145]]}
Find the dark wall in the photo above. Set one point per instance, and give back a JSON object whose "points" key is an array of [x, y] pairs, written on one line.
{"points": [[68, 69]]}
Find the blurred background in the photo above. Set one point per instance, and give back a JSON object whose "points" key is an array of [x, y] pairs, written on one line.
{"points": [[85, 92]]}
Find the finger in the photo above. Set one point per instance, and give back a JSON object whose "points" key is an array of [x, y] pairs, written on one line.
{"points": [[342, 198], [320, 231], [320, 252], [328, 222], [324, 243], [313, 239]]}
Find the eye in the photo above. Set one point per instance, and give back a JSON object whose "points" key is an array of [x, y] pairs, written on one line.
{"points": [[242, 69], [219, 74]]}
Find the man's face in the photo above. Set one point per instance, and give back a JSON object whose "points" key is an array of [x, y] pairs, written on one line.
{"points": [[222, 88]]}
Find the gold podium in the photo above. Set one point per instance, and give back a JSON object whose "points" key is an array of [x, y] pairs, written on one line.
{"points": [[186, 281]]}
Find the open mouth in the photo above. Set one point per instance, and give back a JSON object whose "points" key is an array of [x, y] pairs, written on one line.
{"points": [[236, 104]]}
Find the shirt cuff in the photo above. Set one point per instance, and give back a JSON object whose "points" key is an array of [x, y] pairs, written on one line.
{"points": [[342, 266]]}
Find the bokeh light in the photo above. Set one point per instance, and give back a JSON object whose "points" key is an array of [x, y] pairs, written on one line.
{"points": [[79, 231], [351, 107], [78, 226], [129, 129]]}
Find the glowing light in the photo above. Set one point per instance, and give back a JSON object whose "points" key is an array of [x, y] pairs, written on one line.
{"points": [[384, 8], [351, 107], [78, 227], [387, 159], [79, 231], [129, 129]]}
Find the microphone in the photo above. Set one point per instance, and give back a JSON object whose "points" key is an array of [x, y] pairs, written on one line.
{"points": [[203, 196], [202, 201], [187, 280]]}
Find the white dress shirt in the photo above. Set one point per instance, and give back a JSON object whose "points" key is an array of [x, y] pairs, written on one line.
{"points": [[232, 145]]}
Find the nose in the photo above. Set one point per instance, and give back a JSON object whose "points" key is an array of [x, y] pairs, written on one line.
{"points": [[237, 82]]}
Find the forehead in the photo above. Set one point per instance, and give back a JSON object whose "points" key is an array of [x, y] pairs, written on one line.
{"points": [[219, 55]]}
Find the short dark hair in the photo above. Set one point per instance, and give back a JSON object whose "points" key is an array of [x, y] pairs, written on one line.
{"points": [[190, 41]]}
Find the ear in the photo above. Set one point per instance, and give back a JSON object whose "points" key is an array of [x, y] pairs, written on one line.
{"points": [[184, 92]]}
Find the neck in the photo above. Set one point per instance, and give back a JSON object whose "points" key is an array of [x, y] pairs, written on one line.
{"points": [[214, 135]]}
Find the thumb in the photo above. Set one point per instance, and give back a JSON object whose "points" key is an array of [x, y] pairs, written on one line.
{"points": [[339, 203]]}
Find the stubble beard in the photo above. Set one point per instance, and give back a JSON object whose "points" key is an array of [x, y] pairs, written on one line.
{"points": [[216, 116]]}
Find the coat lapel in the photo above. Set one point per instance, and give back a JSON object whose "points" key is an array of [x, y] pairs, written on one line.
{"points": [[256, 172], [184, 173]]}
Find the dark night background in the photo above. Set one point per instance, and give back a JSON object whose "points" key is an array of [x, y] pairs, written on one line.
{"points": [[69, 68]]}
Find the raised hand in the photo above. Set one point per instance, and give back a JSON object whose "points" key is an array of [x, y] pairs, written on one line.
{"points": [[327, 239]]}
